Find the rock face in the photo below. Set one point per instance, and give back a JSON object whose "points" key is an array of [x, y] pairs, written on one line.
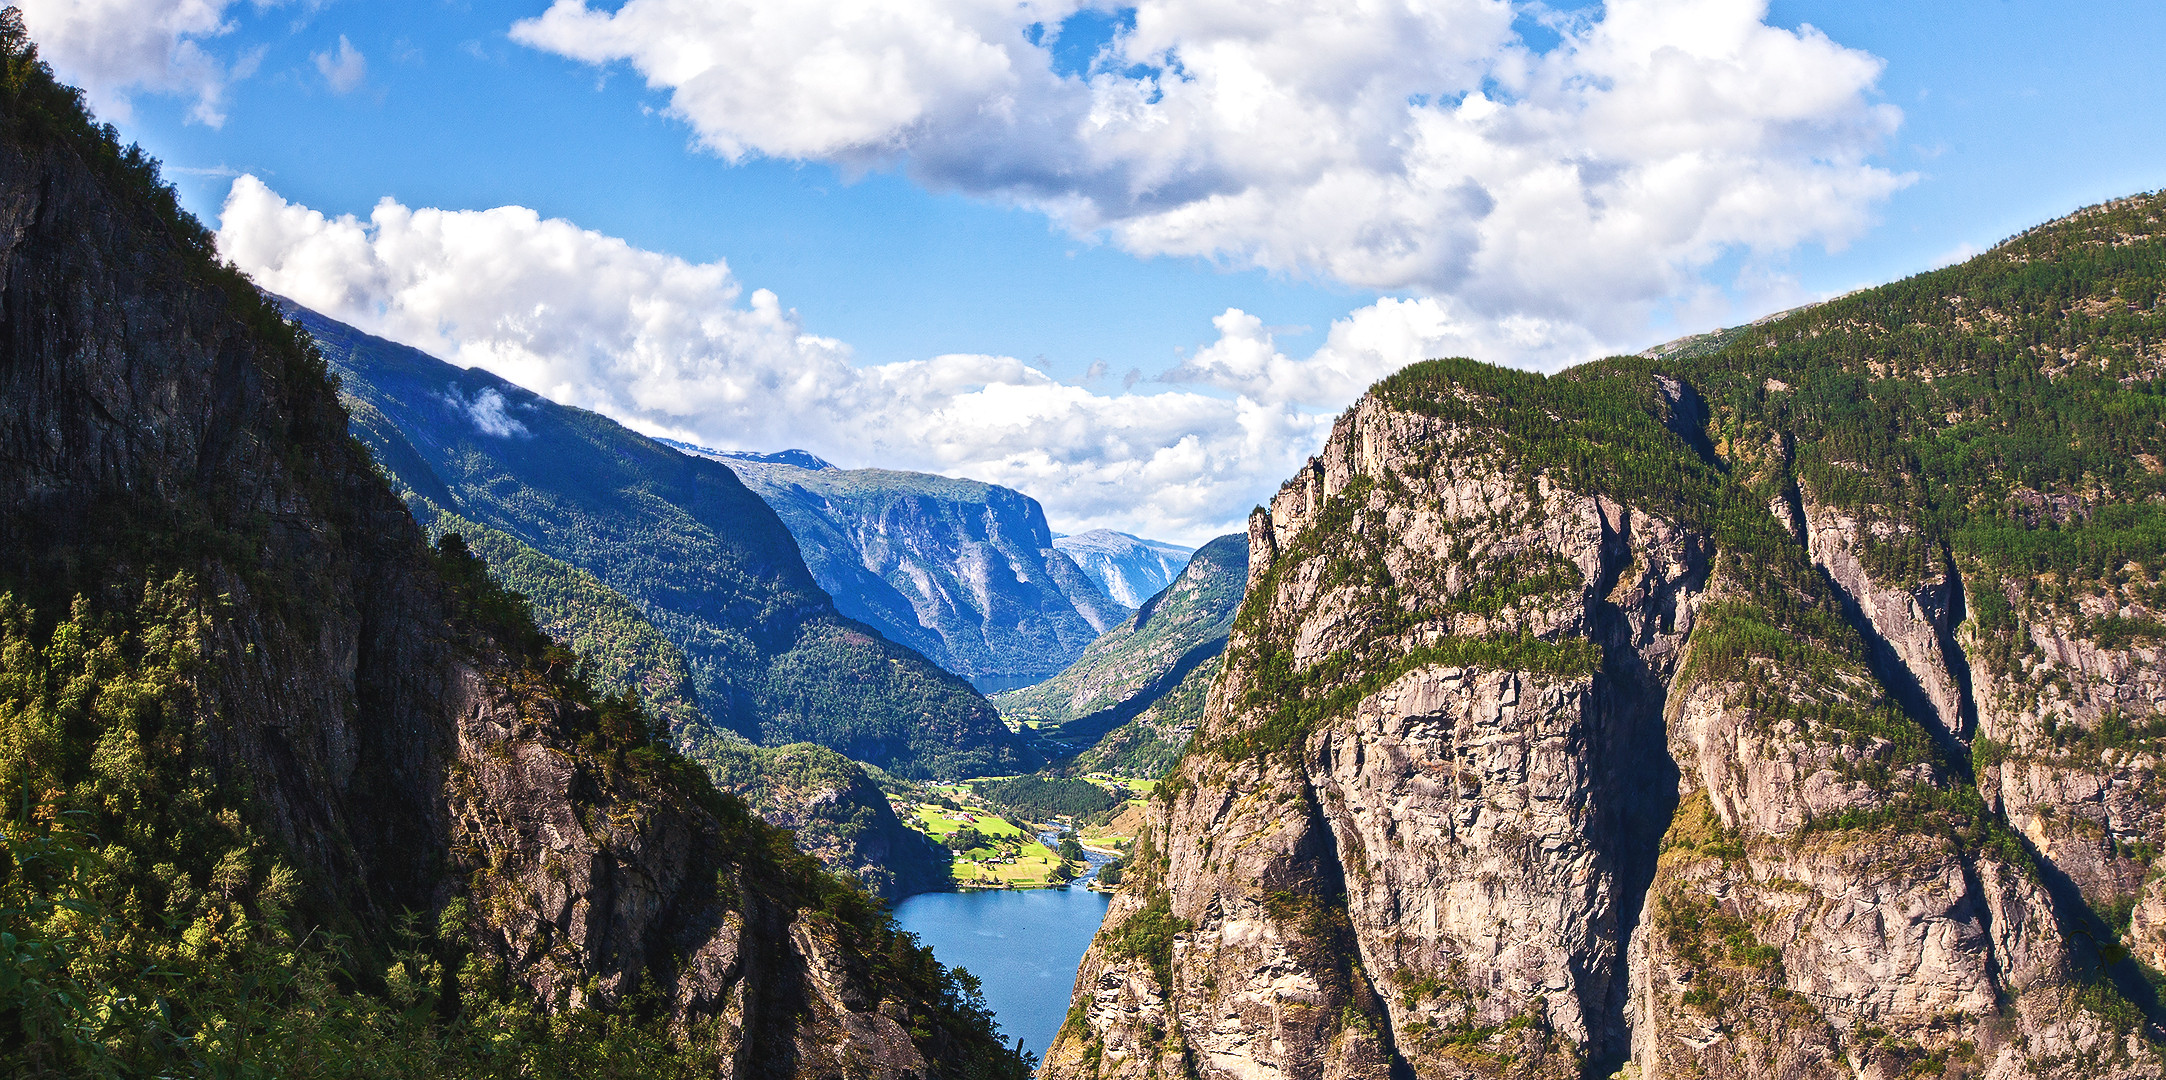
{"points": [[1129, 568], [965, 572], [1653, 718], [173, 458], [705, 561], [1173, 639]]}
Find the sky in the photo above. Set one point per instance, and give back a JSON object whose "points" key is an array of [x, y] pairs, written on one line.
{"points": [[1130, 260]]}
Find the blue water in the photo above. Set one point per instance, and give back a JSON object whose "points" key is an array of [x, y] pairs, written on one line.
{"points": [[1023, 945]]}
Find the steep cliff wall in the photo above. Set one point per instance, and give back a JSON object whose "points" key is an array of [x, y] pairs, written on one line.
{"points": [[287, 786], [1786, 710], [963, 571], [1129, 568]]}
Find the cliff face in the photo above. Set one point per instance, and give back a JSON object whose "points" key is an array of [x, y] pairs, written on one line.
{"points": [[1175, 636], [707, 563], [1129, 568], [236, 672], [964, 572], [1790, 709]]}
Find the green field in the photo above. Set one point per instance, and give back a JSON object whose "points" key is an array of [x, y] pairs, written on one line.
{"points": [[1011, 858]]}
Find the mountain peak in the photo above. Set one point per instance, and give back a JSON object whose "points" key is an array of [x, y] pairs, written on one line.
{"points": [[799, 459]]}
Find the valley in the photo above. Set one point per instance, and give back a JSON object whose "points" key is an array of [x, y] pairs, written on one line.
{"points": [[1783, 701]]}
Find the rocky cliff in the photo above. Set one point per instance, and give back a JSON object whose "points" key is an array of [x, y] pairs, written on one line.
{"points": [[289, 790], [962, 571], [836, 811], [1787, 707], [1129, 568], [1173, 639]]}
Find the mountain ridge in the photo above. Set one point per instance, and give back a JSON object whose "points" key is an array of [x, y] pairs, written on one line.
{"points": [[705, 559], [964, 571], [1174, 637], [1129, 568], [1786, 708], [294, 790]]}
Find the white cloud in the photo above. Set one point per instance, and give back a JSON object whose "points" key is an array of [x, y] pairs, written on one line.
{"points": [[1416, 145], [344, 68], [677, 348], [112, 48], [489, 413]]}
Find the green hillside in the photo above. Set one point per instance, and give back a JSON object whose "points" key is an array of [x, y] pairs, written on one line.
{"points": [[1167, 650], [703, 559], [289, 792], [835, 810]]}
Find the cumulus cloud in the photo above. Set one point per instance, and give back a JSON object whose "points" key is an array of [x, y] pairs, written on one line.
{"points": [[344, 68], [113, 48], [1416, 145], [677, 348]]}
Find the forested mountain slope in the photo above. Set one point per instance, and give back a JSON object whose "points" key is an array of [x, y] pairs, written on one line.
{"points": [[837, 813], [705, 560], [1790, 707], [291, 793], [1131, 670], [1129, 568], [962, 571]]}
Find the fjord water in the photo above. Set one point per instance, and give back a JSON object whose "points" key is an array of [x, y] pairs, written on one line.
{"points": [[1024, 945]]}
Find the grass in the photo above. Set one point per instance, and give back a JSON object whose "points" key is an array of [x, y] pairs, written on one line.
{"points": [[1013, 860]]}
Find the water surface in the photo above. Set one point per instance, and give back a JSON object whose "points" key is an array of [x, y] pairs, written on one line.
{"points": [[1024, 945]]}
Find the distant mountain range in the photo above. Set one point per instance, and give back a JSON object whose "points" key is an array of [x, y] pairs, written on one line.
{"points": [[1130, 702], [1129, 568], [698, 556], [962, 571]]}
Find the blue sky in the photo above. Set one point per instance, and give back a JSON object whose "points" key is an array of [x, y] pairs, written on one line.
{"points": [[2009, 113]]}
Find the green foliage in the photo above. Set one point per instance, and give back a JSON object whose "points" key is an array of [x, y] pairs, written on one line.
{"points": [[1042, 798], [1145, 746], [620, 652], [837, 812], [2000, 410], [1297, 702], [1147, 935], [151, 930], [1133, 665]]}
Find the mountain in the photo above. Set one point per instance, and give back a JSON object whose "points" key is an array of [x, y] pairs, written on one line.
{"points": [[1788, 709], [703, 558], [962, 571], [1129, 568], [836, 812], [292, 792], [1174, 638]]}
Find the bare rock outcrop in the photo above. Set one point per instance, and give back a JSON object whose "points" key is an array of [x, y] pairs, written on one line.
{"points": [[1519, 767]]}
